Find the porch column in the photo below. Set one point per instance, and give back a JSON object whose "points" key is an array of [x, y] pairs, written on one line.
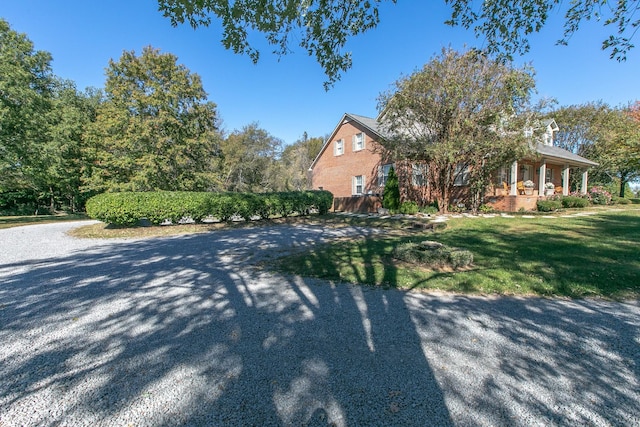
{"points": [[565, 180], [585, 175], [513, 190], [542, 177]]}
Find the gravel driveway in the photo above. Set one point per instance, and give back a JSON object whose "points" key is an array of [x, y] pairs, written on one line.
{"points": [[185, 331]]}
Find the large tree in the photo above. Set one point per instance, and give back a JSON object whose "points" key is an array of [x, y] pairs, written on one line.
{"points": [[296, 160], [26, 87], [248, 160], [618, 151], [154, 130], [461, 113], [609, 136], [323, 27], [71, 114]]}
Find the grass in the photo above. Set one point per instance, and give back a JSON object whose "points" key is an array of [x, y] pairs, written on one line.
{"points": [[17, 221], [591, 256]]}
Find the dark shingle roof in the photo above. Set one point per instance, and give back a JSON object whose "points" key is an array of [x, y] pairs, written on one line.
{"points": [[560, 153], [368, 122]]}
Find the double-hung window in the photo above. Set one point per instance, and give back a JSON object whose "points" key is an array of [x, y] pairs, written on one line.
{"points": [[338, 147], [358, 185], [358, 141], [383, 174], [418, 174]]}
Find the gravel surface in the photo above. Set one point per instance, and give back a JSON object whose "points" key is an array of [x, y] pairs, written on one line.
{"points": [[187, 331]]}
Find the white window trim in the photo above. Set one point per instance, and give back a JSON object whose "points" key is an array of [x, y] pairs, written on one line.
{"points": [[340, 143], [354, 185], [382, 177], [354, 141]]}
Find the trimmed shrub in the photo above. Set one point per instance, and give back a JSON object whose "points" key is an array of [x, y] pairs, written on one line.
{"points": [[433, 254], [549, 205], [409, 208], [128, 208], [391, 192], [429, 210], [574, 202], [620, 200]]}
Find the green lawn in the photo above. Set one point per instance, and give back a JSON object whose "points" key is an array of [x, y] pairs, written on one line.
{"points": [[577, 257], [16, 221]]}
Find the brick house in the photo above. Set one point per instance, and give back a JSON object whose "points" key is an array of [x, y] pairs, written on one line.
{"points": [[353, 166]]}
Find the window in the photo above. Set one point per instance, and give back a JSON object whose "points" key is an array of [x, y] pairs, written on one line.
{"points": [[461, 174], [338, 148], [549, 177], [358, 141], [358, 185], [418, 174], [503, 175], [383, 174]]}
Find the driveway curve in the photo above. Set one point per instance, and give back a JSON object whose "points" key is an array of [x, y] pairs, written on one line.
{"points": [[187, 330]]}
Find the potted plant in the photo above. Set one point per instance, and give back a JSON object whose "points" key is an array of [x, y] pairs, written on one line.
{"points": [[549, 189], [528, 187]]}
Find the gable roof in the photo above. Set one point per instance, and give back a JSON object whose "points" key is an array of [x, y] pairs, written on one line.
{"points": [[368, 123]]}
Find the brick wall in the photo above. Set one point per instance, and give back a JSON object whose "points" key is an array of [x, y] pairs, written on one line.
{"points": [[335, 173]]}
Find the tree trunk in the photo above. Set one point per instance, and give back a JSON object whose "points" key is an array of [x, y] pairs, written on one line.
{"points": [[623, 184]]}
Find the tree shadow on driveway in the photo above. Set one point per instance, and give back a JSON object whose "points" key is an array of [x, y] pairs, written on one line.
{"points": [[184, 331]]}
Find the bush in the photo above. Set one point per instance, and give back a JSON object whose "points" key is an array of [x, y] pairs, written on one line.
{"points": [[574, 202], [549, 205], [433, 254], [430, 209], [600, 196], [409, 208], [485, 209], [128, 208], [620, 200], [391, 193]]}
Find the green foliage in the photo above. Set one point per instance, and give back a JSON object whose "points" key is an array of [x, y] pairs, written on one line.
{"points": [[391, 193], [128, 208], [409, 208], [548, 205], [485, 209], [599, 196], [466, 112], [247, 161], [155, 129], [26, 90], [574, 202], [321, 27], [620, 200], [295, 162], [433, 254], [505, 25]]}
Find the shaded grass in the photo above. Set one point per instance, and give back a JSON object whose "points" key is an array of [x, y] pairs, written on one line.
{"points": [[575, 257], [17, 221]]}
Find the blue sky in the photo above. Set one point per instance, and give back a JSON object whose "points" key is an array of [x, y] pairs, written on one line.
{"points": [[286, 96]]}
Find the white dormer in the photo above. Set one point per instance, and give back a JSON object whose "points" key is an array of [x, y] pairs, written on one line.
{"points": [[550, 127]]}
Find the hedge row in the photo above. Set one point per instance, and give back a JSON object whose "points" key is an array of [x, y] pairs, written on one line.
{"points": [[128, 208]]}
